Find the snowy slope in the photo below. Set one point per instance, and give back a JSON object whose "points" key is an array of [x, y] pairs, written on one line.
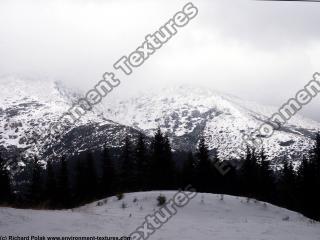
{"points": [[26, 105], [186, 113], [205, 217]]}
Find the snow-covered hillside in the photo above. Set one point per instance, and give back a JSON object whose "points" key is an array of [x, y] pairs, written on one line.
{"points": [[184, 113], [205, 217], [26, 105]]}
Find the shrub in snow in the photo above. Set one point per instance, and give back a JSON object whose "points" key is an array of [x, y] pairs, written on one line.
{"points": [[202, 199], [123, 205], [120, 196], [221, 197], [161, 200], [99, 204], [286, 218]]}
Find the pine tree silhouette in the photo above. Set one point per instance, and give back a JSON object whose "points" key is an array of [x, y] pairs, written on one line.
{"points": [[142, 164], [63, 184], [249, 174], [128, 167], [287, 185], [163, 168], [157, 157], [314, 179], [107, 183], [203, 168], [36, 190], [50, 185], [91, 177], [188, 170], [305, 187], [81, 185], [5, 186], [266, 190], [169, 168], [217, 181]]}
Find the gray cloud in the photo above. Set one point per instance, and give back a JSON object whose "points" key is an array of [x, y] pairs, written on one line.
{"points": [[262, 51]]}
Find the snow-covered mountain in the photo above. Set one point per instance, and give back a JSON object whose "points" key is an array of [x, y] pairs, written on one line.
{"points": [[205, 217], [184, 113], [27, 105]]}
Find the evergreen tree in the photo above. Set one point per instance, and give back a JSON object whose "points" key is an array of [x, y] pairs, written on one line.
{"points": [[249, 174], [314, 178], [86, 179], [218, 182], [305, 187], [107, 183], [231, 182], [203, 168], [81, 186], [36, 190], [91, 177], [315, 154], [157, 160], [5, 187], [188, 171], [143, 164], [50, 185], [315, 161], [163, 167], [128, 167], [169, 168], [316, 151], [287, 184], [266, 183], [63, 184]]}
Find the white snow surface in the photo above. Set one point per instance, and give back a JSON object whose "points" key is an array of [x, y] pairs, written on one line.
{"points": [[205, 217]]}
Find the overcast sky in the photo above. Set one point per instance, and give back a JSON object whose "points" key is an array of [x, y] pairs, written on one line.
{"points": [[261, 51]]}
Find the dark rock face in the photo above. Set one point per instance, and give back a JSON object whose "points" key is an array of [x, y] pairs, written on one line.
{"points": [[90, 137]]}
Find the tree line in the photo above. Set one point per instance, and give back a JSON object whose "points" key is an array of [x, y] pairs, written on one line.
{"points": [[141, 166]]}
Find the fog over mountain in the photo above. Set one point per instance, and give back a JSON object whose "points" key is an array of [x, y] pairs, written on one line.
{"points": [[263, 51]]}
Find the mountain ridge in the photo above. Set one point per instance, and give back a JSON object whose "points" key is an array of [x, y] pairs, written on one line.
{"points": [[183, 113]]}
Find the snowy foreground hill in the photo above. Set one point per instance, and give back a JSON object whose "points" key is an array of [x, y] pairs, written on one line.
{"points": [[205, 217]]}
